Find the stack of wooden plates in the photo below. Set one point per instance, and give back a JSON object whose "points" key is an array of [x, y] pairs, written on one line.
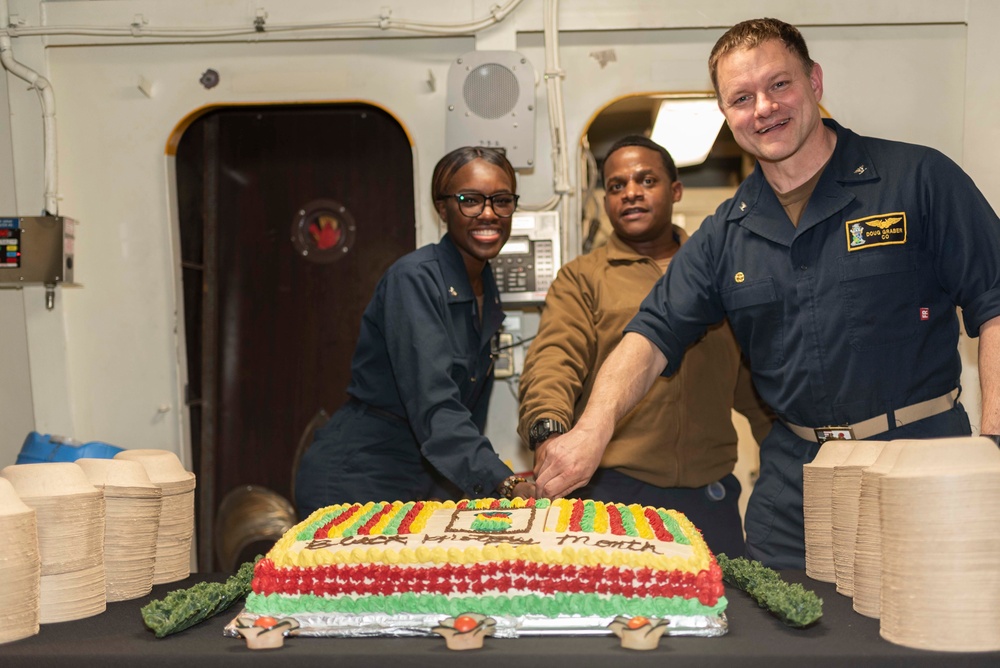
{"points": [[868, 546], [940, 507], [21, 567], [70, 514], [176, 528], [817, 508], [846, 503], [132, 519]]}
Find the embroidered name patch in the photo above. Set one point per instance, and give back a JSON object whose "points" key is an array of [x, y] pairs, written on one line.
{"points": [[881, 230]]}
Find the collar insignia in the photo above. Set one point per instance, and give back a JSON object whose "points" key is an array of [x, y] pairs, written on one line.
{"points": [[860, 170], [453, 292], [743, 206]]}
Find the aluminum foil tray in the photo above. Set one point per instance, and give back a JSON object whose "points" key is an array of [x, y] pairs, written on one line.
{"points": [[384, 625]]}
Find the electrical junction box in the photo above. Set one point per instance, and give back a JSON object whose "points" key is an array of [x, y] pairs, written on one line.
{"points": [[36, 250], [503, 359]]}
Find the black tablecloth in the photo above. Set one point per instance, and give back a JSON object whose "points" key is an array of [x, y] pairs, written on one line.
{"points": [[841, 638]]}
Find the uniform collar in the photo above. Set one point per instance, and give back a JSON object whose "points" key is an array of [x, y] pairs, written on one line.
{"points": [[453, 271], [754, 204], [459, 289], [619, 251]]}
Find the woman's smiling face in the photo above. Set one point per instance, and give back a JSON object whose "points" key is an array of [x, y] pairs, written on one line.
{"points": [[479, 239]]}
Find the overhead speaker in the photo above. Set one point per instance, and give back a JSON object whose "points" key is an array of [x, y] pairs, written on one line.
{"points": [[491, 103]]}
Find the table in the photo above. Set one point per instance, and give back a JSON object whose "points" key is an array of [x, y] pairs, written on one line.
{"points": [[755, 638]]}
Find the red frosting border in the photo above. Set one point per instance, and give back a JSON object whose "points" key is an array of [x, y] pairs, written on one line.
{"points": [[489, 577]]}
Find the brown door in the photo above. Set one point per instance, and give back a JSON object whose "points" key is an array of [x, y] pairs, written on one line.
{"points": [[289, 216]]}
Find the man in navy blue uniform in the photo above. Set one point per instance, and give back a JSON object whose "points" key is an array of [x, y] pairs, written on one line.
{"points": [[839, 263]]}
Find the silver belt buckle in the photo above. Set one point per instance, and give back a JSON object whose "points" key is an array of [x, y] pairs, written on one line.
{"points": [[824, 434]]}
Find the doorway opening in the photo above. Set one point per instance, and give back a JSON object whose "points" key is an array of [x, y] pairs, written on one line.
{"points": [[289, 215]]}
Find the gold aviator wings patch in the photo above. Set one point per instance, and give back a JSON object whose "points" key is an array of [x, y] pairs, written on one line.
{"points": [[883, 223]]}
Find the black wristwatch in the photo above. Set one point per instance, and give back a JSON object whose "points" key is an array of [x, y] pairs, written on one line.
{"points": [[543, 429], [993, 437]]}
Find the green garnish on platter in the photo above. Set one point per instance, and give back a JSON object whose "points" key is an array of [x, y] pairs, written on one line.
{"points": [[791, 603], [184, 608]]}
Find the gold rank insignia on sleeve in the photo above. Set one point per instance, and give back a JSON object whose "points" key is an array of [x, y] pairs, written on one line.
{"points": [[882, 229]]}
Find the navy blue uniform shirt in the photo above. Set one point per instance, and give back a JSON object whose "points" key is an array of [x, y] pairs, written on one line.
{"points": [[851, 314]]}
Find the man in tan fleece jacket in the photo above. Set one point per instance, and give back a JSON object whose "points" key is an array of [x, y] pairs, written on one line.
{"points": [[677, 448]]}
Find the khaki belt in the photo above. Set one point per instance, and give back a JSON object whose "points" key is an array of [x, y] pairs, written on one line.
{"points": [[878, 424]]}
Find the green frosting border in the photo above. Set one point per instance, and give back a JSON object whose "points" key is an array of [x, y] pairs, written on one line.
{"points": [[555, 605]]}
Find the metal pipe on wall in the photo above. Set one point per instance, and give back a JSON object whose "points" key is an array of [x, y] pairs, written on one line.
{"points": [[48, 102]]}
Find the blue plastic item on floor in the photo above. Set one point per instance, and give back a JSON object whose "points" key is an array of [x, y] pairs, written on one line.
{"points": [[41, 448]]}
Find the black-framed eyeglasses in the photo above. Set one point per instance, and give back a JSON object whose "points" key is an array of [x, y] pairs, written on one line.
{"points": [[473, 204]]}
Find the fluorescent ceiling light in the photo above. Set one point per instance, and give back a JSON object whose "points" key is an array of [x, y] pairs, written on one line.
{"points": [[687, 128]]}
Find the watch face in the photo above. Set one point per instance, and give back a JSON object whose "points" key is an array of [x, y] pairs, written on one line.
{"points": [[544, 428]]}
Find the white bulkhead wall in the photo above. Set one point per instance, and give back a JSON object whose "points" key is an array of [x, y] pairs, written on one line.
{"points": [[104, 364]]}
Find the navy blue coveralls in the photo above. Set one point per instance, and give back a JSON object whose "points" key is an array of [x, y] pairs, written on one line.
{"points": [[847, 316], [421, 379]]}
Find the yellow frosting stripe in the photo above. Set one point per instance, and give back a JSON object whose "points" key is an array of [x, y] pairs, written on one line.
{"points": [[418, 524], [565, 509], [642, 527], [600, 517], [570, 556]]}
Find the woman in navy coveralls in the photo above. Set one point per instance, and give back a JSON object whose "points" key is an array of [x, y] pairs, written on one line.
{"points": [[422, 370]]}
